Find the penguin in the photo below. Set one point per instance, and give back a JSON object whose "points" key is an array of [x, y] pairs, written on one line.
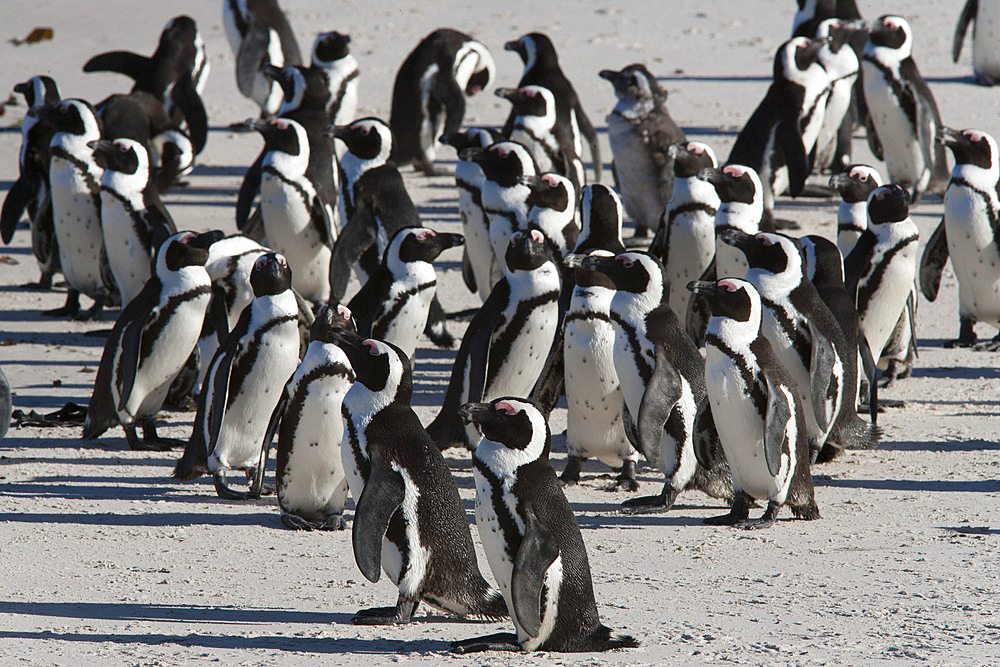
{"points": [[832, 150], [393, 304], [297, 208], [902, 112], [30, 192], [508, 339], [593, 396], [409, 520], [259, 35], [151, 342], [854, 184], [780, 135], [985, 38], [74, 179], [641, 132], [245, 378], [531, 539], [134, 221], [176, 153], [6, 406], [968, 233], [662, 379], [332, 54], [541, 68], [552, 210], [477, 256], [175, 75], [811, 13], [880, 272], [309, 476], [428, 94], [535, 127], [763, 433], [685, 238]]}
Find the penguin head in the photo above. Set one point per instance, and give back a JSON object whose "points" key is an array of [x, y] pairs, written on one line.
{"points": [[185, 249], [734, 304], [293, 85], [530, 100], [835, 33], [417, 244], [856, 182], [691, 157], [504, 162], [516, 425], [124, 156], [535, 48], [633, 272], [601, 217], [734, 183], [589, 278], [550, 191], [270, 275], [380, 367], [38, 90], [890, 36], [470, 137], [888, 204], [178, 30], [366, 138], [635, 83], [485, 72], [795, 58], [527, 251], [824, 265], [176, 151], [73, 117], [970, 147], [766, 252], [330, 318], [282, 135], [330, 47]]}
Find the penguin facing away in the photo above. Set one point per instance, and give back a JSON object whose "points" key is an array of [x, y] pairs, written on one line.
{"points": [[531, 538], [332, 53], [409, 520], [260, 35], [985, 40], [763, 434], [832, 150]]}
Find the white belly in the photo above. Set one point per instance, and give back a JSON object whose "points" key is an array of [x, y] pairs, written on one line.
{"points": [[520, 369], [289, 229], [77, 224], [692, 244], [129, 260], [477, 242], [973, 254], [986, 42], [406, 327], [883, 310], [904, 158]]}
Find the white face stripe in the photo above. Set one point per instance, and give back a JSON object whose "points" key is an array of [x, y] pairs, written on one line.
{"points": [[504, 461], [531, 52]]}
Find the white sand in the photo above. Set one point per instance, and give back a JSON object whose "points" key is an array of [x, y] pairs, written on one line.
{"points": [[105, 560]]}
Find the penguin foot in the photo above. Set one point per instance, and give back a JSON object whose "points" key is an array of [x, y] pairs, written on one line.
{"points": [[428, 169], [766, 520], [966, 334], [625, 481], [571, 474], [241, 126], [883, 403], [440, 335], [738, 513], [296, 522], [398, 615], [226, 492], [828, 453], [93, 314], [42, 285], [649, 504], [145, 444], [69, 309], [327, 522], [159, 443], [333, 522], [992, 345], [501, 641]]}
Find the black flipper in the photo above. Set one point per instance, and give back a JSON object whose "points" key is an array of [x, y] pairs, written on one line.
{"points": [[869, 367], [874, 143], [631, 433], [217, 315], [590, 134], [185, 97], [933, 260], [133, 65], [381, 497], [549, 386], [662, 393], [220, 395], [706, 437], [129, 360], [788, 137], [698, 311], [355, 238], [968, 13], [248, 192], [322, 215], [779, 413], [251, 57], [452, 99], [22, 193], [265, 447], [536, 554], [855, 263], [468, 275], [822, 361]]}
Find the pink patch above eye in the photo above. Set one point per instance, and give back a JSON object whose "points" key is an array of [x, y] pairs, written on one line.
{"points": [[973, 135], [626, 261], [537, 236], [516, 237], [695, 148], [424, 235], [550, 180], [363, 129], [530, 93], [345, 312], [733, 171], [506, 408], [730, 287], [501, 152], [765, 239], [372, 347]]}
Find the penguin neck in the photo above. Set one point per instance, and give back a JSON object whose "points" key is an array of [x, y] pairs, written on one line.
{"points": [[838, 65], [633, 109], [693, 189], [537, 127], [504, 461], [76, 145], [320, 353], [354, 167], [774, 286], [591, 299], [853, 213], [502, 198], [982, 179], [417, 272], [891, 233], [469, 174], [552, 223], [633, 307], [364, 403], [735, 334], [543, 279], [184, 279], [129, 186], [744, 217], [266, 308], [286, 164]]}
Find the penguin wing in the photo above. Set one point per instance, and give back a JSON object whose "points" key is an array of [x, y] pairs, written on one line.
{"points": [[822, 381], [185, 96], [355, 238], [927, 118], [932, 262], [590, 134], [868, 366], [698, 311], [968, 13], [874, 144], [789, 138], [856, 261], [381, 497], [161, 223], [272, 426], [324, 222], [228, 351], [628, 424], [135, 320], [534, 557], [779, 413], [468, 275], [249, 189], [662, 392], [217, 317], [22, 193], [365, 306], [252, 55], [452, 99], [549, 385], [707, 447], [136, 67], [479, 336]]}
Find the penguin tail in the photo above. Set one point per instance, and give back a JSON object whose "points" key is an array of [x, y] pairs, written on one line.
{"points": [[492, 606], [193, 463], [604, 640], [858, 434]]}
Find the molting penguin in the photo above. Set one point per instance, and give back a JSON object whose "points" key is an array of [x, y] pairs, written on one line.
{"points": [[531, 538], [854, 184], [641, 132], [150, 343], [762, 434], [541, 68], [969, 233], [332, 54], [832, 151], [536, 128], [309, 477], [508, 339], [409, 519], [134, 221], [985, 40], [428, 95], [902, 112]]}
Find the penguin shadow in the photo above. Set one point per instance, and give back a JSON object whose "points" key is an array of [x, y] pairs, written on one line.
{"points": [[130, 611], [711, 78], [969, 79], [217, 170], [940, 446], [267, 519], [957, 372], [24, 250], [973, 531], [65, 338], [933, 485]]}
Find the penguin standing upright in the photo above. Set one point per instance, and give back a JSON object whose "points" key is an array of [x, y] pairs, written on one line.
{"points": [[392, 306], [409, 520], [903, 114], [880, 272], [508, 339], [332, 54], [641, 132], [552, 211], [832, 151], [762, 434], [428, 95], [477, 256], [985, 40], [531, 538], [854, 184], [536, 128], [685, 239], [541, 68], [134, 221], [151, 342], [970, 234], [309, 476], [781, 133]]}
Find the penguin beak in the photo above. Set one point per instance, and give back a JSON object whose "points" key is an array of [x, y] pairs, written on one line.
{"points": [[508, 94], [513, 45], [812, 50], [259, 124], [711, 175], [574, 261], [21, 88], [737, 239], [704, 287], [841, 180], [103, 150], [451, 138], [473, 154], [271, 71], [605, 265], [447, 240], [948, 136], [206, 239], [534, 182], [675, 150], [337, 132], [476, 412]]}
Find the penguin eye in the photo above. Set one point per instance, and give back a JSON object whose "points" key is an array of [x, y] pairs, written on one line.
{"points": [[626, 261], [863, 177], [765, 240], [426, 234], [363, 130], [506, 408], [529, 92], [694, 148], [344, 311], [372, 347], [122, 147], [735, 172], [973, 136], [550, 181], [537, 236], [501, 152], [730, 287]]}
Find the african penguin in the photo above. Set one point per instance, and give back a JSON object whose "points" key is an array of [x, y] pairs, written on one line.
{"points": [[409, 520], [985, 40], [854, 184], [832, 152], [811, 13], [332, 54], [428, 95], [641, 132], [150, 343], [552, 210], [762, 434], [531, 538]]}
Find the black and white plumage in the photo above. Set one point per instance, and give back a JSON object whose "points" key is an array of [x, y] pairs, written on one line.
{"points": [[903, 114], [134, 221], [970, 234], [309, 476], [985, 40], [552, 210], [854, 184], [541, 68], [150, 343], [811, 13], [507, 341], [409, 520], [759, 413], [393, 304], [332, 54], [741, 206], [641, 132], [536, 128], [428, 95], [6, 406], [832, 150], [531, 539]]}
